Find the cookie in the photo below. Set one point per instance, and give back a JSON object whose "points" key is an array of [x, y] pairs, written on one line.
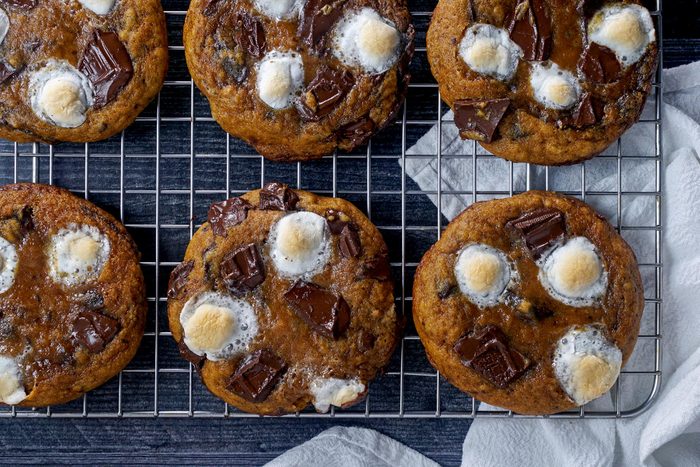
{"points": [[78, 70], [543, 81], [72, 296], [285, 299], [299, 79], [531, 303]]}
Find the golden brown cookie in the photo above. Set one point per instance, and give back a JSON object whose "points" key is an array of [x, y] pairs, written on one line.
{"points": [[284, 299], [531, 303], [299, 79], [78, 70], [543, 81], [72, 296]]}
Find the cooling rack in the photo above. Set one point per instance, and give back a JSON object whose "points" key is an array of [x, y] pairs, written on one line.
{"points": [[161, 174]]}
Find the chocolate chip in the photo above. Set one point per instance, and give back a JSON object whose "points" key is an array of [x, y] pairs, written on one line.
{"points": [[324, 93], [21, 4], [478, 119], [178, 278], [228, 214], [349, 242], [187, 354], [366, 341], [336, 220], [6, 72], [94, 330], [257, 376], [26, 220], [487, 352], [540, 229], [250, 35], [600, 64], [377, 268], [584, 115], [243, 270], [317, 18], [326, 313], [277, 196], [107, 65], [358, 132], [531, 28], [530, 312]]}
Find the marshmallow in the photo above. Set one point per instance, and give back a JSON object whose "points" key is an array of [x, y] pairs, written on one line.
{"points": [[489, 51], [11, 388], [586, 364], [334, 391], [573, 273], [77, 254], [218, 326], [278, 9], [280, 77], [8, 265], [364, 39], [483, 273], [101, 7], [59, 94], [626, 29], [554, 87], [300, 244], [4, 25]]}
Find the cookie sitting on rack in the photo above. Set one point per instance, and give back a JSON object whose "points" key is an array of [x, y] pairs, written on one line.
{"points": [[72, 296], [531, 303], [78, 70], [543, 81], [284, 299], [299, 79]]}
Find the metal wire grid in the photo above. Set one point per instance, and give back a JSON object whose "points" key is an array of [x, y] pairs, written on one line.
{"points": [[408, 389]]}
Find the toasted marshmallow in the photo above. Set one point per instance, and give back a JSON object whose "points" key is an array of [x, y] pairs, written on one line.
{"points": [[60, 95], [586, 364], [101, 7], [4, 25], [278, 9], [77, 254], [280, 77], [300, 244], [334, 391], [218, 326], [11, 388], [489, 51], [483, 273], [364, 39], [554, 87], [624, 28], [573, 273], [8, 265]]}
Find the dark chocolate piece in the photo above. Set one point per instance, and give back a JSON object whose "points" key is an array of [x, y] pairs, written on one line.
{"points": [[92, 300], [237, 71], [600, 64], [349, 242], [227, 214], [317, 19], [193, 358], [531, 28], [324, 93], [377, 268], [94, 330], [584, 115], [107, 64], [487, 352], [336, 220], [326, 313], [178, 278], [26, 220], [532, 313], [6, 72], [21, 4], [277, 196], [447, 290], [358, 132], [478, 119], [258, 376], [243, 270], [250, 35], [540, 229]]}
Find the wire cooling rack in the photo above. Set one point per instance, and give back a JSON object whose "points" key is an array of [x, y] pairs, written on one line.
{"points": [[162, 173]]}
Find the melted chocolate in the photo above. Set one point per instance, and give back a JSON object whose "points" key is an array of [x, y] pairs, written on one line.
{"points": [[349, 242], [358, 132], [258, 376], [228, 214], [540, 229], [478, 119], [21, 4], [277, 196], [94, 330], [178, 278], [600, 64], [250, 35], [531, 28], [107, 65], [326, 313], [243, 270], [377, 268], [324, 93], [317, 19]]}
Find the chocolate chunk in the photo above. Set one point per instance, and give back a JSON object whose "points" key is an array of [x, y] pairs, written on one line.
{"points": [[21, 4], [600, 64], [530, 312], [446, 290], [94, 330], [277, 196], [257, 376], [92, 300], [540, 229], [107, 65], [324, 93], [243, 270], [326, 313], [317, 19], [6, 72], [336, 220], [584, 115], [366, 341], [178, 278], [228, 214], [237, 71], [358, 132], [487, 352], [478, 119], [250, 35], [26, 220], [193, 358], [349, 242], [531, 28], [377, 268]]}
